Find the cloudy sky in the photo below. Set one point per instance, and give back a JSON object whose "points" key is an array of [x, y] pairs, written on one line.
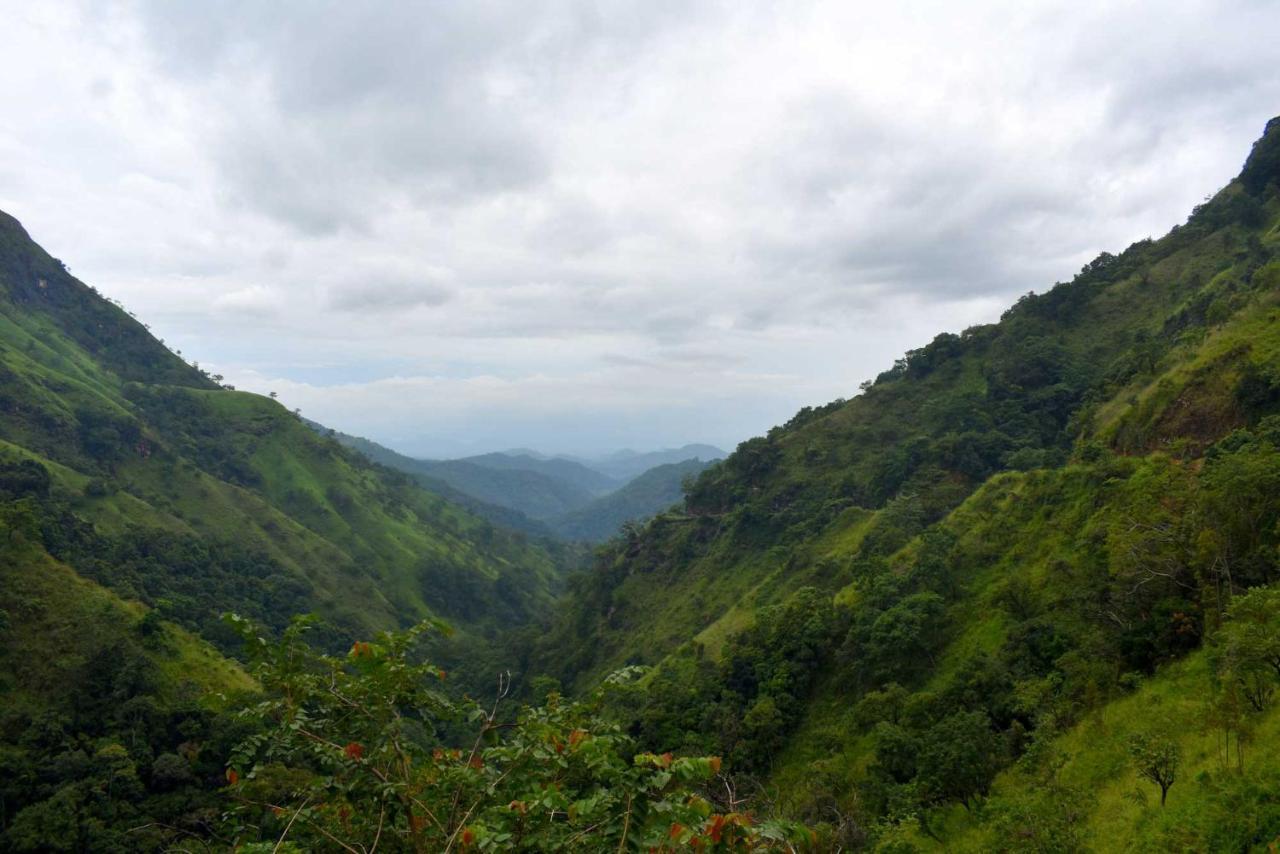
{"points": [[579, 226]]}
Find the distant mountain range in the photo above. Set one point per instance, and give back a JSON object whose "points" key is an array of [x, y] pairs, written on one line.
{"points": [[650, 493], [575, 498], [591, 481], [626, 464]]}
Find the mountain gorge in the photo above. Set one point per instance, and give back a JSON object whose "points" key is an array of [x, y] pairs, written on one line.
{"points": [[579, 500], [1018, 594]]}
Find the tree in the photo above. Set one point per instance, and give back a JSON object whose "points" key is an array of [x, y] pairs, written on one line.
{"points": [[1253, 627], [1156, 759], [959, 757], [903, 639]]}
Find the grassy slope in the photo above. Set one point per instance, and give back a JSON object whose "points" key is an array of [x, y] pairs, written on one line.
{"points": [[1127, 815], [56, 622], [775, 528], [87, 389], [1200, 307]]}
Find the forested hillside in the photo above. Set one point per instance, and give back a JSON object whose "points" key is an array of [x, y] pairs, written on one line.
{"points": [[658, 489], [996, 597], [139, 501], [152, 463], [420, 471]]}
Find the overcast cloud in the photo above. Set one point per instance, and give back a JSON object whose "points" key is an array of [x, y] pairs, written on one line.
{"points": [[578, 226]]}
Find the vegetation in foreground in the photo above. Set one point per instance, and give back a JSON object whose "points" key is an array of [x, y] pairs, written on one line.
{"points": [[353, 752]]}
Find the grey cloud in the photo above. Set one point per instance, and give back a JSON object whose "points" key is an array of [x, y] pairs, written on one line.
{"points": [[701, 357], [378, 294], [585, 195], [331, 112], [437, 104]]}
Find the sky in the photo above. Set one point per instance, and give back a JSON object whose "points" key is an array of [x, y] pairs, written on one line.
{"points": [[583, 226]]}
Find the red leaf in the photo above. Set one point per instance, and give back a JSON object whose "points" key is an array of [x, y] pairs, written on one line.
{"points": [[354, 751]]}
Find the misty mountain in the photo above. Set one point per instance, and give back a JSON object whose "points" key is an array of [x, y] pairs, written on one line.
{"points": [[657, 489], [590, 480], [625, 464]]}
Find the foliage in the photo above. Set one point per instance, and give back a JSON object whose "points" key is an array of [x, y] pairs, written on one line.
{"points": [[353, 753], [1157, 759]]}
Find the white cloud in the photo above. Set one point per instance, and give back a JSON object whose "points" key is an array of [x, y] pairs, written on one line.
{"points": [[579, 225], [255, 299]]}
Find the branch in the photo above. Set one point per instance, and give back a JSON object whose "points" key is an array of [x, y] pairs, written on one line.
{"points": [[285, 832]]}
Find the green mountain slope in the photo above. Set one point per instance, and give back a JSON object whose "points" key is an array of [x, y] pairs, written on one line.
{"points": [[886, 602], [532, 493], [571, 472], [110, 729], [173, 477], [419, 470], [138, 501], [519, 492], [658, 489]]}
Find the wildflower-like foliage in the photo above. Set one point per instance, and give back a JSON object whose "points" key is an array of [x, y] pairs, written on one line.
{"points": [[354, 753]]}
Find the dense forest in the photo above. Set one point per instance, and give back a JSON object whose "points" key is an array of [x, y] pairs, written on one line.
{"points": [[1018, 594]]}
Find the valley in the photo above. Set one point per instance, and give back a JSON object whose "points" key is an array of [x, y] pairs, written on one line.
{"points": [[1018, 593]]}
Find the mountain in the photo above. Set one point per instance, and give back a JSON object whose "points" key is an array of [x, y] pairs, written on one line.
{"points": [[626, 464], [658, 489], [994, 600], [571, 472], [141, 446], [534, 494], [139, 500], [520, 492], [539, 495], [582, 518], [421, 472]]}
